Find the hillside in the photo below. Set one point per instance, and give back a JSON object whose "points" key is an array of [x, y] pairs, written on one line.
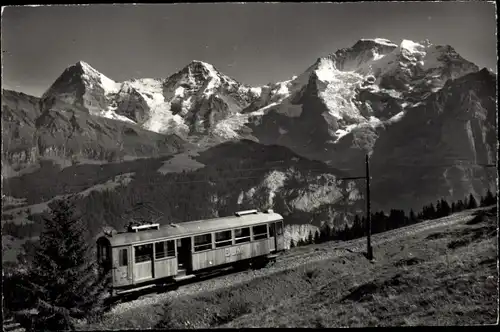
{"points": [[68, 137], [441, 272], [440, 277], [232, 176]]}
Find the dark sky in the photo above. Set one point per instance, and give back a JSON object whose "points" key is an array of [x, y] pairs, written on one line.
{"points": [[253, 43]]}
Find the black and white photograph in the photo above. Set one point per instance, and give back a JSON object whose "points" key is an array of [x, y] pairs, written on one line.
{"points": [[249, 165]]}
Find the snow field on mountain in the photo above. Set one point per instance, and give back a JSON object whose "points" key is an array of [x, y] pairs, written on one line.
{"points": [[339, 91], [364, 67], [214, 80], [161, 119], [110, 114]]}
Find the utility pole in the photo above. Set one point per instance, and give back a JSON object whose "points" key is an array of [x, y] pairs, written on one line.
{"points": [[369, 250]]}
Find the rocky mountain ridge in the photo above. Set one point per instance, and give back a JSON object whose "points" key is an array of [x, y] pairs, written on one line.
{"points": [[392, 101]]}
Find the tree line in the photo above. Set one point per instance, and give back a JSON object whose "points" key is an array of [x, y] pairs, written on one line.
{"points": [[395, 219]]}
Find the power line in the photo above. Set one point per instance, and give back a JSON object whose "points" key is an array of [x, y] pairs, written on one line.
{"points": [[233, 179], [331, 168], [443, 165], [298, 168], [326, 167], [259, 177]]}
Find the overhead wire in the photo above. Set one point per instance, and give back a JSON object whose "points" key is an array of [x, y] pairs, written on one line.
{"points": [[324, 169]]}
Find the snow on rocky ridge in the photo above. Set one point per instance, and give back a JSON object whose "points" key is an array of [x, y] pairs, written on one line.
{"points": [[380, 67], [200, 94]]}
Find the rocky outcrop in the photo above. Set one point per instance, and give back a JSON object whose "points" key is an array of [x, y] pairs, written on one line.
{"points": [[437, 148], [72, 135]]}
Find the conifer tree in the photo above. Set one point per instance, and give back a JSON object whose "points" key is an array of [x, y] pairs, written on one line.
{"points": [[466, 204], [431, 212], [325, 232], [310, 238], [317, 237], [334, 235], [472, 202], [445, 208], [489, 199], [363, 226], [346, 234], [413, 218], [420, 215], [439, 210], [65, 279]]}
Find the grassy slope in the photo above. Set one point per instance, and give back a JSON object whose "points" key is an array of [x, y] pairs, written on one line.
{"points": [[444, 276]]}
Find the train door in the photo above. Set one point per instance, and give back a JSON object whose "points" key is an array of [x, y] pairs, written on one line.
{"points": [[280, 239], [272, 234], [121, 259], [143, 262], [184, 254], [104, 255]]}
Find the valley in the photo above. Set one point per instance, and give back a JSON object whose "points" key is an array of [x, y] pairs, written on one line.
{"points": [[424, 114]]}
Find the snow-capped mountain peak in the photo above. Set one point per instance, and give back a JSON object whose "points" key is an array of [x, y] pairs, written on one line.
{"points": [[107, 84], [353, 84], [370, 84], [84, 65], [381, 41]]}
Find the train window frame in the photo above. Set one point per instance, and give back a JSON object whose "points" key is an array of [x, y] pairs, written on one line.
{"points": [[204, 246], [272, 230], [242, 239], [147, 257], [166, 252], [279, 228], [228, 241], [123, 257], [103, 253], [259, 236]]}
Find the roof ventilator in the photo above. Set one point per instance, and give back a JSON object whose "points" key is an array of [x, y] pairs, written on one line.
{"points": [[243, 213], [144, 227]]}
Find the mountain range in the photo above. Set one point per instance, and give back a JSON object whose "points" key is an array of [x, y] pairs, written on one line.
{"points": [[425, 115]]}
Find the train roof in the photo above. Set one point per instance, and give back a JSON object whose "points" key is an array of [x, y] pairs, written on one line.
{"points": [[191, 228]]}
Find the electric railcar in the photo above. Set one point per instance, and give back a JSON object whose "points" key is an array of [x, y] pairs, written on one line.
{"points": [[149, 254]]}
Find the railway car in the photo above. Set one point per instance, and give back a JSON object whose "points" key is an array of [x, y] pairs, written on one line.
{"points": [[150, 254]]}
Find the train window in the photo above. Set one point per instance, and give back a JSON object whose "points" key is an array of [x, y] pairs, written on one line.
{"points": [[144, 253], [259, 232], [279, 228], [223, 239], [164, 249], [122, 257], [203, 242], [242, 235], [272, 229], [103, 253]]}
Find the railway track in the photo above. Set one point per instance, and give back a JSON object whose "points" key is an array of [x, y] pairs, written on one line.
{"points": [[291, 260]]}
